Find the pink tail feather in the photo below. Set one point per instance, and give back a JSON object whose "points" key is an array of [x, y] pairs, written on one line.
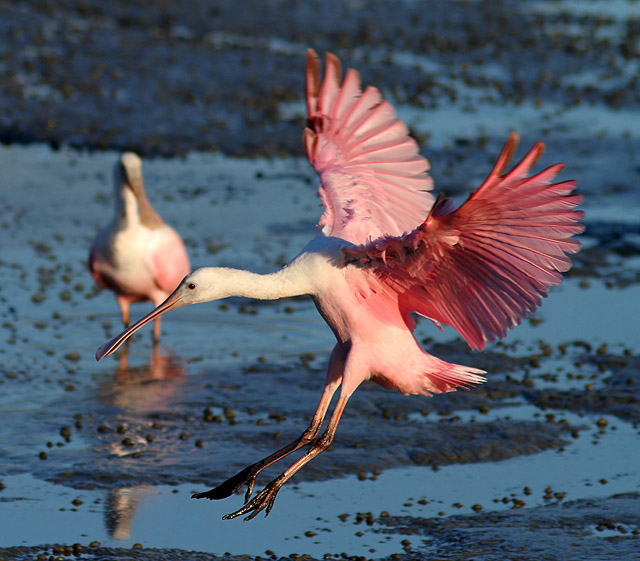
{"points": [[442, 377]]}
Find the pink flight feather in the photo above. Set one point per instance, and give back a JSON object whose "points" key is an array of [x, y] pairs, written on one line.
{"points": [[480, 268], [373, 180]]}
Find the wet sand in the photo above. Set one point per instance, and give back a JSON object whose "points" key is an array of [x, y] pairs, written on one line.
{"points": [[541, 462]]}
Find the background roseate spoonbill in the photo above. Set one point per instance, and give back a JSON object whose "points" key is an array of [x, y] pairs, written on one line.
{"points": [[137, 255], [387, 250]]}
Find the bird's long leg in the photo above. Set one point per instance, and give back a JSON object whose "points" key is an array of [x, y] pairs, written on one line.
{"points": [[249, 474], [124, 309], [267, 496], [156, 331]]}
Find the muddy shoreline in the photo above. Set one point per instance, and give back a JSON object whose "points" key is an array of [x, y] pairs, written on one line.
{"points": [[165, 79]]}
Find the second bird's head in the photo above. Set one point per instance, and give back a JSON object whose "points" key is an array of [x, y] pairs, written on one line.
{"points": [[131, 198], [128, 173]]}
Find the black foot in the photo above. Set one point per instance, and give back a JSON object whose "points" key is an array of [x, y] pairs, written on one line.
{"points": [[245, 477], [263, 500]]}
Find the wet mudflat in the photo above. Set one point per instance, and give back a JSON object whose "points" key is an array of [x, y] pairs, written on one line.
{"points": [[541, 462]]}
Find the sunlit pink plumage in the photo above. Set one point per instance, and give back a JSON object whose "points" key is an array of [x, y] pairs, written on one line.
{"points": [[479, 268], [137, 255]]}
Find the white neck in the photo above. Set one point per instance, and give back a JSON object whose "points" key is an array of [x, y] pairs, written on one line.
{"points": [[126, 209], [223, 283]]}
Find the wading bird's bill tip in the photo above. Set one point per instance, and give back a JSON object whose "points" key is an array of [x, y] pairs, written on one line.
{"points": [[104, 350]]}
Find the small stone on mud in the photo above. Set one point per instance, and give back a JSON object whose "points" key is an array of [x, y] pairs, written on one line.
{"points": [[73, 356]]}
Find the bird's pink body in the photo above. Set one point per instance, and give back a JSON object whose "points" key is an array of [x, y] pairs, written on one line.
{"points": [[387, 250], [136, 255], [375, 340]]}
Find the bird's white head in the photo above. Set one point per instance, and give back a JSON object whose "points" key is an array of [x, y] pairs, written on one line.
{"points": [[128, 172], [131, 161], [131, 199], [206, 284]]}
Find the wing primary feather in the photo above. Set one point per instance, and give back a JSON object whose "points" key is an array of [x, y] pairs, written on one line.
{"points": [[362, 153], [313, 84]]}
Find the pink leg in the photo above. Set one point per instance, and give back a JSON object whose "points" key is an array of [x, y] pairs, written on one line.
{"points": [[157, 300], [267, 496], [124, 309], [249, 474], [156, 331]]}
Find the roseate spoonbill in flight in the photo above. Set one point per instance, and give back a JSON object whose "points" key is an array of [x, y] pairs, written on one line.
{"points": [[137, 255], [387, 250]]}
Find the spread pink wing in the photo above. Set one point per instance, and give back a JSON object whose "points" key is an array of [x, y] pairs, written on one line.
{"points": [[480, 268], [373, 180], [169, 260]]}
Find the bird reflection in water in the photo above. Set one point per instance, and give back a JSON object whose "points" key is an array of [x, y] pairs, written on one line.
{"points": [[162, 366], [120, 508], [138, 389]]}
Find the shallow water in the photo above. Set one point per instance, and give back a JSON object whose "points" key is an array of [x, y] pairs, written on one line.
{"points": [[205, 348], [560, 409], [147, 514]]}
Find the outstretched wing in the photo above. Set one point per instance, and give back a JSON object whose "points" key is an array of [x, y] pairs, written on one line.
{"points": [[480, 268], [373, 180]]}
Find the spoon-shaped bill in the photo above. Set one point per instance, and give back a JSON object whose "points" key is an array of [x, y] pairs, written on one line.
{"points": [[173, 301]]}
